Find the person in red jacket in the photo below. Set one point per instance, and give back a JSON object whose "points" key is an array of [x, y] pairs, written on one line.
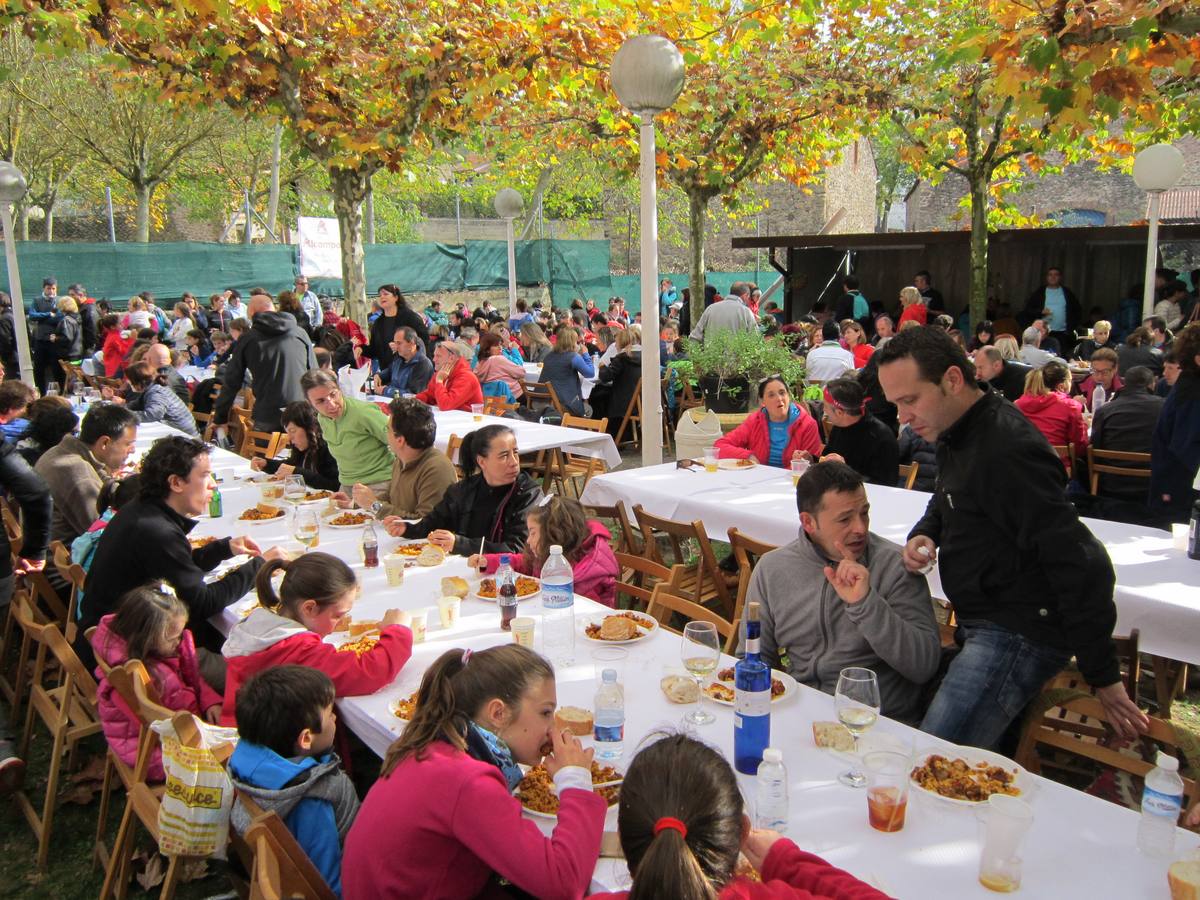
{"points": [[856, 342], [913, 307], [682, 823], [1046, 404], [561, 521], [442, 823], [454, 385], [316, 593], [779, 432]]}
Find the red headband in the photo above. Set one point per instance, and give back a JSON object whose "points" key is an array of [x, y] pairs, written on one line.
{"points": [[674, 824], [862, 409]]}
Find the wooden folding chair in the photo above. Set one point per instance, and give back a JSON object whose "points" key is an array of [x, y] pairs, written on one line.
{"points": [[281, 869], [568, 468], [498, 406], [69, 713], [702, 581], [1109, 462], [908, 472], [453, 446], [665, 603], [536, 394], [25, 623], [632, 419], [628, 541], [261, 443], [639, 577], [72, 375], [747, 551], [12, 528], [1066, 453], [73, 575]]}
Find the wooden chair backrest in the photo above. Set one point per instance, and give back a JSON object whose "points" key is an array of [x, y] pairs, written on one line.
{"points": [[44, 597], [498, 406], [705, 568], [629, 541], [12, 527], [597, 425], [453, 446], [75, 673], [909, 473], [261, 443], [639, 577], [1102, 462], [281, 867], [632, 414], [747, 552], [1066, 452], [541, 392], [664, 602], [133, 672], [72, 573]]}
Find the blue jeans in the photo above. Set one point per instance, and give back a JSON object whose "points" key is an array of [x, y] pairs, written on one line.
{"points": [[988, 684]]}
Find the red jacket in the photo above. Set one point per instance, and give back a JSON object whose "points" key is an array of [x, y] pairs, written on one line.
{"points": [[862, 352], [265, 639], [754, 437], [177, 679], [788, 873], [918, 313], [460, 389], [114, 349], [443, 825], [1058, 417], [595, 574]]}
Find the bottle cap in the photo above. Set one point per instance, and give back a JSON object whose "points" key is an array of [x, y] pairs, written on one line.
{"points": [[556, 548], [772, 755], [504, 559], [609, 676], [1166, 761]]}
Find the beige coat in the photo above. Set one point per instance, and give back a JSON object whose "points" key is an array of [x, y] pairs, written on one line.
{"points": [[415, 489]]}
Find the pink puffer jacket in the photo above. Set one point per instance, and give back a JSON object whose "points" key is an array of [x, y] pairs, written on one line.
{"points": [[179, 684], [595, 573]]}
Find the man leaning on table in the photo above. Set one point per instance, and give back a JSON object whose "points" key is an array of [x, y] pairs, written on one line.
{"points": [[839, 596], [1030, 585]]}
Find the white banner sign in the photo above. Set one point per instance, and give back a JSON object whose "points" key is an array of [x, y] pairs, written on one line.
{"points": [[320, 248]]}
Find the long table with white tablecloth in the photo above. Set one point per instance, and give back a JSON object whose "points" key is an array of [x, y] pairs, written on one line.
{"points": [[1158, 587], [531, 436], [1080, 846]]}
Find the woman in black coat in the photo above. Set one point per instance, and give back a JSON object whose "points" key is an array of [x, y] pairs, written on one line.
{"points": [[622, 374], [490, 503], [310, 457], [396, 314]]}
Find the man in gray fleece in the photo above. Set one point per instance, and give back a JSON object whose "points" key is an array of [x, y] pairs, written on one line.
{"points": [[840, 596]]}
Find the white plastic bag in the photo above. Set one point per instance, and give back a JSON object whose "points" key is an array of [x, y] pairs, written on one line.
{"points": [[193, 819]]}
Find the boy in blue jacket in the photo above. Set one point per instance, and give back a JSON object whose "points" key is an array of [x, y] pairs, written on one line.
{"points": [[283, 762]]}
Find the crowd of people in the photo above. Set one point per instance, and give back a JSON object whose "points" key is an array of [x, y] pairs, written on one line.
{"points": [[1030, 585]]}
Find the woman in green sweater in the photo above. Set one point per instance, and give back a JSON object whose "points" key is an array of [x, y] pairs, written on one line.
{"points": [[355, 430]]}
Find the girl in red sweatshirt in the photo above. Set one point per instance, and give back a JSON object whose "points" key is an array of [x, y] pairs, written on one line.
{"points": [[682, 822], [561, 521], [316, 593], [442, 822]]}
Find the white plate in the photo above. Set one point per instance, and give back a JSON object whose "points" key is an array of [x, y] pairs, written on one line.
{"points": [[645, 622], [282, 517], [735, 464], [319, 502], [327, 521], [475, 591], [553, 817], [973, 755], [790, 687]]}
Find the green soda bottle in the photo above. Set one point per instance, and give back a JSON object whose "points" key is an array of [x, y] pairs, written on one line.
{"points": [[214, 505]]}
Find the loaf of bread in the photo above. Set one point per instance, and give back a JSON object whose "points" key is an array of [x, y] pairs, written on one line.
{"points": [[617, 628], [455, 587], [832, 736], [680, 688], [1184, 879], [575, 720], [431, 555]]}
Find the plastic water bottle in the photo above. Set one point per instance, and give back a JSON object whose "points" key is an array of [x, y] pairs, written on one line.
{"points": [[771, 801], [1162, 801], [752, 701], [1099, 398], [558, 603], [609, 720]]}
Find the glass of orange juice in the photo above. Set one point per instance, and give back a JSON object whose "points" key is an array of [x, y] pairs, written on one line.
{"points": [[887, 789]]}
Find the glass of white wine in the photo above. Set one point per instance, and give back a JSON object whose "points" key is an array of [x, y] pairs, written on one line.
{"points": [[700, 652], [294, 489], [306, 527], [857, 702]]}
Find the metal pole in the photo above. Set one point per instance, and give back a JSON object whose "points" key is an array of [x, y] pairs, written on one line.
{"points": [[24, 359], [112, 228], [248, 235], [1151, 256], [652, 449], [512, 266]]}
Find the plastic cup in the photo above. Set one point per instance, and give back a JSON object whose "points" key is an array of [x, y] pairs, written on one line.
{"points": [[887, 789], [522, 630], [394, 567], [1005, 821], [610, 658], [477, 411], [1179, 536], [419, 624], [271, 492], [799, 467], [449, 609], [710, 459]]}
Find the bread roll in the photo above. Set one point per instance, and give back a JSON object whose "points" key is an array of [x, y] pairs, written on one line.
{"points": [[832, 736], [575, 720], [431, 555], [680, 688], [618, 628], [1184, 879], [455, 587]]}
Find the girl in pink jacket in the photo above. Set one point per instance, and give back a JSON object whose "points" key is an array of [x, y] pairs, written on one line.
{"points": [[777, 432], [441, 823], [682, 823], [561, 521], [149, 625]]}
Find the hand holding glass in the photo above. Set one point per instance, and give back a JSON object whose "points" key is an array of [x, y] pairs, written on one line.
{"points": [[857, 703], [700, 652]]}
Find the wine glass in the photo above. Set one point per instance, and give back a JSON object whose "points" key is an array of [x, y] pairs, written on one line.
{"points": [[700, 652], [53, 389], [857, 702], [294, 489], [306, 527]]}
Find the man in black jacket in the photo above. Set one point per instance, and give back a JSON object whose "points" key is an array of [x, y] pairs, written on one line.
{"points": [[1030, 585], [1006, 376], [277, 352], [1127, 423], [856, 437], [147, 540]]}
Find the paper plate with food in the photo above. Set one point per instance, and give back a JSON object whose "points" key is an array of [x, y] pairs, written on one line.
{"points": [[619, 628], [262, 512], [720, 688], [351, 518], [536, 789], [363, 638], [420, 553], [967, 776], [736, 464], [528, 587], [404, 707]]}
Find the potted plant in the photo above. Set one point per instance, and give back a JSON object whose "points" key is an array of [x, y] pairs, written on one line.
{"points": [[727, 366]]}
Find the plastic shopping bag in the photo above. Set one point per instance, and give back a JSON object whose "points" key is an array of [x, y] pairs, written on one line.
{"points": [[193, 819]]}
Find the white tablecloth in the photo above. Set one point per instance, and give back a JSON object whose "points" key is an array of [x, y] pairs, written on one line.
{"points": [[196, 374], [1079, 847], [533, 372], [1158, 587], [530, 436]]}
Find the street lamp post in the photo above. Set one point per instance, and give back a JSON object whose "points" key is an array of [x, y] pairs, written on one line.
{"points": [[12, 189], [647, 77], [1156, 170], [509, 204]]}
